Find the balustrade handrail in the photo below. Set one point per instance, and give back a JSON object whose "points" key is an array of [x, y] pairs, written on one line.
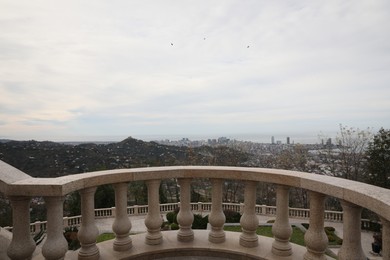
{"points": [[16, 183]]}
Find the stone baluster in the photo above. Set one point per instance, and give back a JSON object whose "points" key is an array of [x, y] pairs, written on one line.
{"points": [[249, 221], [216, 217], [385, 238], [185, 216], [153, 219], [88, 231], [122, 224], [22, 245], [281, 229], [352, 246], [55, 246], [315, 237]]}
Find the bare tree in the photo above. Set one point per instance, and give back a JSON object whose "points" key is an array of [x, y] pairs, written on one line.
{"points": [[352, 143], [295, 158]]}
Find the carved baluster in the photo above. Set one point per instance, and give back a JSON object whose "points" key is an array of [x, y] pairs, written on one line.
{"points": [[185, 216], [216, 217], [88, 231], [352, 246], [122, 224], [153, 219], [22, 245], [315, 237], [385, 238], [281, 229], [55, 246], [249, 221]]}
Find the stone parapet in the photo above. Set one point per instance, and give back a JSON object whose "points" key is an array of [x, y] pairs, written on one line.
{"points": [[20, 188]]}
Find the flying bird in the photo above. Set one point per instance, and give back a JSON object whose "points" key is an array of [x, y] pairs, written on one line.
{"points": [[247, 46], [171, 44]]}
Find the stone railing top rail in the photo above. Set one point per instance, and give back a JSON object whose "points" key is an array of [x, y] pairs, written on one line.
{"points": [[16, 183]]}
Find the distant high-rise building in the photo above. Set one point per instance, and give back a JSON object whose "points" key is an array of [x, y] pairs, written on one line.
{"points": [[272, 140], [288, 140]]}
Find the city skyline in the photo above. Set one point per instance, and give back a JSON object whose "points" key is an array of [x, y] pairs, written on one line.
{"points": [[76, 71], [254, 138]]}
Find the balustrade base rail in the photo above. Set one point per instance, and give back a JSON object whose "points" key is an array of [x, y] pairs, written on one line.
{"points": [[200, 246]]}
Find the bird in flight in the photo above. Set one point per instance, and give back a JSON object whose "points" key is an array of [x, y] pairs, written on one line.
{"points": [[171, 44]]}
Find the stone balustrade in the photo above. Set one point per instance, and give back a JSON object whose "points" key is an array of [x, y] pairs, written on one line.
{"points": [[20, 188], [196, 207]]}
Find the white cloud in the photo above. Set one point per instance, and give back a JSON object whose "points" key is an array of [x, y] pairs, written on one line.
{"points": [[91, 67]]}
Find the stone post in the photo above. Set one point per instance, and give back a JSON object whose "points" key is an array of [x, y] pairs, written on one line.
{"points": [[315, 237], [385, 238], [122, 224], [153, 219], [352, 246], [263, 209], [37, 227], [200, 207], [22, 245], [88, 231], [249, 221], [281, 229], [55, 246], [216, 217], [185, 216]]}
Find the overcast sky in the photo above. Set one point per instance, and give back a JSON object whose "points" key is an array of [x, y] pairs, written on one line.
{"points": [[89, 69]]}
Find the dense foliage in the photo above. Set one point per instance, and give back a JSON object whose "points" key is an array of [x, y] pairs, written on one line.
{"points": [[50, 159], [378, 162]]}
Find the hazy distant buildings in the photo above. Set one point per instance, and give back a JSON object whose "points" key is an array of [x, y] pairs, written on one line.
{"points": [[273, 141], [223, 140]]}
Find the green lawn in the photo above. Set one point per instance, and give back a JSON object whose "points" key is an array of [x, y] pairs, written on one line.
{"points": [[104, 237]]}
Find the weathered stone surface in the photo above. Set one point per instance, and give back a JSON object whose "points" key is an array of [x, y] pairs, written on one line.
{"points": [[5, 240]]}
